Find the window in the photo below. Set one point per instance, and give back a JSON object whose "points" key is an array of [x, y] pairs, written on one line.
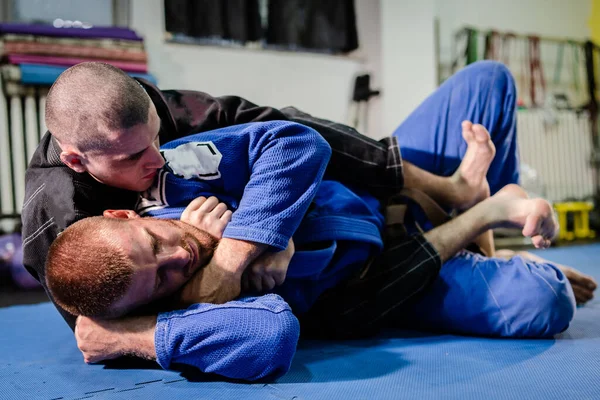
{"points": [[296, 25]]}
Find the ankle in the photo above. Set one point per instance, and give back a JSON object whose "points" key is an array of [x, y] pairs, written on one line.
{"points": [[489, 214]]}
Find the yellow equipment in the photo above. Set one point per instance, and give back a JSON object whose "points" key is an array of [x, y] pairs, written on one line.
{"points": [[581, 216]]}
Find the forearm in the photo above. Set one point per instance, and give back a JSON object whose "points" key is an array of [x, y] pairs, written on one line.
{"points": [[220, 280], [234, 256], [104, 339], [250, 338], [138, 337], [287, 162], [453, 236]]}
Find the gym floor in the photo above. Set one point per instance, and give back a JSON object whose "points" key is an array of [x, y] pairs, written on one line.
{"points": [[40, 360]]}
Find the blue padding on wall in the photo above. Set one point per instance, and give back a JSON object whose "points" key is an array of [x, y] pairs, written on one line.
{"points": [[35, 74], [39, 359]]}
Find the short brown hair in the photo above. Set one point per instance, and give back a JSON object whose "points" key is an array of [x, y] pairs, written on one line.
{"points": [[86, 272], [90, 100]]}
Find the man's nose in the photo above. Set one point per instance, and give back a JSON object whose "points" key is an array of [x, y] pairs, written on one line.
{"points": [[155, 159], [177, 258]]}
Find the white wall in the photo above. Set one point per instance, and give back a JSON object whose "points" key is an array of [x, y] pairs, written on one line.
{"points": [[409, 65], [368, 21], [318, 84], [397, 47], [408, 57], [555, 18]]}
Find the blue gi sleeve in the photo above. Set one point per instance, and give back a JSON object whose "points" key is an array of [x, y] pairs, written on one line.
{"points": [[249, 338], [287, 162]]}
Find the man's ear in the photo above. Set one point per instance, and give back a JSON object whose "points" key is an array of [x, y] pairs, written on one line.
{"points": [[73, 160], [121, 214]]}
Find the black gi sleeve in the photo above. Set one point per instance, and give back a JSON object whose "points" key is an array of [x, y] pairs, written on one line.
{"points": [[356, 160]]}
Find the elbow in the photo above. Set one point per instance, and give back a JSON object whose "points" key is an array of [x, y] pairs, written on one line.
{"points": [[322, 149], [275, 358], [314, 143]]}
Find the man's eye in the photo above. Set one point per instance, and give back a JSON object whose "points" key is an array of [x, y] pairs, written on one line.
{"points": [[156, 245], [136, 156]]}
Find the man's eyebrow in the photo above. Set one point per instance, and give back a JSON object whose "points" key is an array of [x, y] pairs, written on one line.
{"points": [[139, 153]]}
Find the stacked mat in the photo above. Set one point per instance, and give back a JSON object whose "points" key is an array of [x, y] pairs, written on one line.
{"points": [[37, 54]]}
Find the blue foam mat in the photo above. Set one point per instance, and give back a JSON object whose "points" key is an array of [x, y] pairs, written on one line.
{"points": [[39, 359]]}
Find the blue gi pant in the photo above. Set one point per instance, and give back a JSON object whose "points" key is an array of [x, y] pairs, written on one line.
{"points": [[474, 294]]}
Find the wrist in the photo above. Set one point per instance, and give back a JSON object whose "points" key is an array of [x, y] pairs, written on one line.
{"points": [[232, 256], [138, 337]]}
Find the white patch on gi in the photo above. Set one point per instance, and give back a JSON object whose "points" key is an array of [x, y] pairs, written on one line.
{"points": [[154, 198], [199, 160]]}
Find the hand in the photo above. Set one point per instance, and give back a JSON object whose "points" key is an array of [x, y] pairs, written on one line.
{"points": [[105, 339], [208, 215], [268, 270]]}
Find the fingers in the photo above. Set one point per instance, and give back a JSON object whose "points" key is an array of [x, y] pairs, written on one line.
{"points": [[226, 217], [203, 204], [194, 205], [245, 282], [279, 277], [259, 278], [268, 283], [209, 205], [207, 214], [219, 209], [255, 281]]}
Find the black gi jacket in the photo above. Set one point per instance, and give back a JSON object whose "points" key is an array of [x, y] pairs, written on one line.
{"points": [[56, 196]]}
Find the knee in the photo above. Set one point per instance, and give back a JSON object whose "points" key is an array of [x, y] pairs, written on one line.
{"points": [[550, 309], [557, 311], [494, 75], [493, 69]]}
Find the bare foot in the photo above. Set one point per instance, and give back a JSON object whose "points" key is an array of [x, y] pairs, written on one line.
{"points": [[583, 285], [470, 183], [534, 216]]}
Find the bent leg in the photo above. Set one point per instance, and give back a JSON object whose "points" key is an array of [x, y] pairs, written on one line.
{"points": [[583, 285], [483, 93], [360, 306], [476, 295]]}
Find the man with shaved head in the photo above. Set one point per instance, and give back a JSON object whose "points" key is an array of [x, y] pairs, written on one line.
{"points": [[105, 128], [95, 108]]}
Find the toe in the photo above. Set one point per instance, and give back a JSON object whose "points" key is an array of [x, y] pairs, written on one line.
{"points": [[532, 226], [481, 134], [539, 242]]}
